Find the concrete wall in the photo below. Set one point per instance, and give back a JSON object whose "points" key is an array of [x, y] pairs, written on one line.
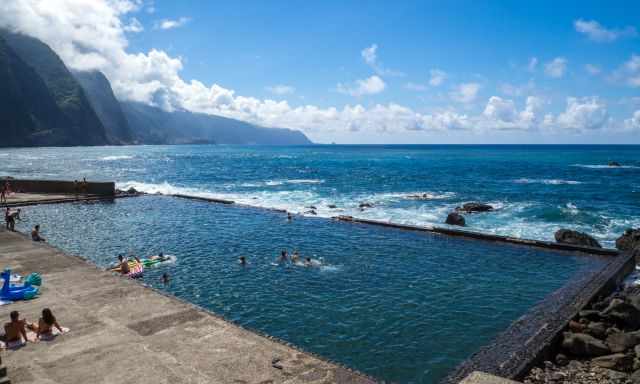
{"points": [[60, 186]]}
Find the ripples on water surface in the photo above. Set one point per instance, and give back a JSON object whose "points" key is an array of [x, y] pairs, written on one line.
{"points": [[402, 306], [538, 189]]}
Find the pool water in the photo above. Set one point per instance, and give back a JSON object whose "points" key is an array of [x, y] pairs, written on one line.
{"points": [[401, 306]]}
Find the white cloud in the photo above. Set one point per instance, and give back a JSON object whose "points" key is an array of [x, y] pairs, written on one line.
{"points": [[369, 86], [630, 72], [465, 93], [134, 26], [171, 24], [370, 57], [437, 77], [281, 89], [500, 109], [556, 67], [533, 64], [592, 69], [415, 87], [583, 114], [633, 123], [597, 32], [502, 113]]}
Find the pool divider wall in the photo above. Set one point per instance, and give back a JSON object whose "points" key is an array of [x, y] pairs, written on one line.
{"points": [[536, 336], [434, 229]]}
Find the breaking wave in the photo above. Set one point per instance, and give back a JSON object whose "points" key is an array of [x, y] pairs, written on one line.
{"points": [[547, 181]]}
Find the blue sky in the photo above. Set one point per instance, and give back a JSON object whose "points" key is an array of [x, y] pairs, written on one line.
{"points": [[365, 71]]}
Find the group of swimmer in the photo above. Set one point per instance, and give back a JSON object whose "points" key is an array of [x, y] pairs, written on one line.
{"points": [[123, 267], [283, 258]]}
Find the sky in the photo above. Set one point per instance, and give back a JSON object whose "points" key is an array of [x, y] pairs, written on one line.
{"points": [[365, 71]]}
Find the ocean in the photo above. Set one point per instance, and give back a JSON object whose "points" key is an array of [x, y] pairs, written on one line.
{"points": [[536, 189]]}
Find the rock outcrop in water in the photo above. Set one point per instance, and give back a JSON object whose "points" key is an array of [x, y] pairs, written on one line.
{"points": [[629, 241], [602, 345], [454, 218], [567, 236], [475, 207]]}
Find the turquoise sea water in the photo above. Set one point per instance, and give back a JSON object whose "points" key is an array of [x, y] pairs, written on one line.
{"points": [[538, 189], [401, 306]]}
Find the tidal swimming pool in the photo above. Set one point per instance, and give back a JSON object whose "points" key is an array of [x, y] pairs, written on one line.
{"points": [[401, 306]]}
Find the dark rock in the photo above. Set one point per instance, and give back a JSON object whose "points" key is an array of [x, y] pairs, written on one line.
{"points": [[614, 164], [581, 344], [597, 329], [590, 314], [311, 212], [620, 342], [577, 327], [567, 236], [132, 191], [332, 206], [623, 313], [635, 377], [562, 359], [454, 218], [629, 240], [616, 361], [312, 207], [475, 207], [365, 205]]}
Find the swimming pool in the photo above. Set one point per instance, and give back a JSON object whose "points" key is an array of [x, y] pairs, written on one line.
{"points": [[401, 306]]}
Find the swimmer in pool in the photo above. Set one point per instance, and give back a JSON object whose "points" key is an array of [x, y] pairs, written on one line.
{"points": [[242, 260]]}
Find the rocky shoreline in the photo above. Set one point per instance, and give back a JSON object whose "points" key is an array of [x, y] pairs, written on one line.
{"points": [[602, 344]]}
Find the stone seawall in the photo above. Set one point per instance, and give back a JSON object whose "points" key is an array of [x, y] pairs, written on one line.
{"points": [[61, 187]]}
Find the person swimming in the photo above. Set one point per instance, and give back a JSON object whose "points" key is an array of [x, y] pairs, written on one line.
{"points": [[165, 278], [242, 260], [295, 257], [307, 262], [283, 256], [289, 217]]}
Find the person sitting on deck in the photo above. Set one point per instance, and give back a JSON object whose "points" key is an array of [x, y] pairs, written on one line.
{"points": [[15, 330], [46, 324], [35, 234], [123, 265], [8, 218]]}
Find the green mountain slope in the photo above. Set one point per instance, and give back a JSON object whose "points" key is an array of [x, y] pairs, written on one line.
{"points": [[83, 125], [107, 107], [154, 126]]}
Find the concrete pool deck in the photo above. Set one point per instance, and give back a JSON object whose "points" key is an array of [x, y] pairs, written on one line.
{"points": [[124, 332]]}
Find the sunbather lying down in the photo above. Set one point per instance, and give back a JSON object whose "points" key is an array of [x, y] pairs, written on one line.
{"points": [[18, 331]]}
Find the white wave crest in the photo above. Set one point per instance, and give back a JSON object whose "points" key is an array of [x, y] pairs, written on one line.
{"points": [[601, 166], [547, 181], [114, 158]]}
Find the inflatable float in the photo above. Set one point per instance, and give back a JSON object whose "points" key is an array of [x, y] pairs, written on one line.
{"points": [[14, 292], [146, 262]]}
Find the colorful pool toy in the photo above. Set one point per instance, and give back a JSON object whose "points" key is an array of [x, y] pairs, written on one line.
{"points": [[14, 292]]}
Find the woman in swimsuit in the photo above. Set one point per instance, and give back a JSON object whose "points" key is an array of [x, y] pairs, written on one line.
{"points": [[46, 324]]}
